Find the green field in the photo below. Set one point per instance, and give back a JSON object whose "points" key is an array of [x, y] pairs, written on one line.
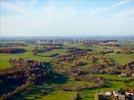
{"points": [[60, 95], [122, 58], [4, 58]]}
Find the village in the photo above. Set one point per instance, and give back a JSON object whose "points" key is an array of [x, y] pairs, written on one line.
{"points": [[116, 95]]}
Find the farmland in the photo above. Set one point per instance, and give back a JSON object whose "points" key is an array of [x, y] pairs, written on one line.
{"points": [[79, 69]]}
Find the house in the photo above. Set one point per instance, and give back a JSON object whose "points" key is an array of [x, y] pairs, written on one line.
{"points": [[132, 74], [108, 93], [115, 93], [123, 75], [129, 93]]}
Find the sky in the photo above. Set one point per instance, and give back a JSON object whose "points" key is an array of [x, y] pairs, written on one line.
{"points": [[66, 17]]}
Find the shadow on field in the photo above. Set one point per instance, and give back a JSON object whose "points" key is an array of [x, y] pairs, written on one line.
{"points": [[36, 92], [55, 78]]}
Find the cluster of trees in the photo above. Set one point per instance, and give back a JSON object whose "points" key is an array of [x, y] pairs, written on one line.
{"points": [[35, 51], [106, 52], [44, 49], [13, 45], [113, 44], [72, 54], [79, 63], [97, 42], [12, 50], [49, 48], [22, 75], [65, 57], [77, 51], [127, 50], [109, 67], [71, 50], [122, 50]]}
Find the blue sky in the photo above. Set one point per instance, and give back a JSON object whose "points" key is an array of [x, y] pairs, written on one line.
{"points": [[66, 17]]}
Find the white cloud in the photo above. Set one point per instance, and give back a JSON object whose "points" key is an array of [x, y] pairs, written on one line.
{"points": [[54, 20], [122, 2]]}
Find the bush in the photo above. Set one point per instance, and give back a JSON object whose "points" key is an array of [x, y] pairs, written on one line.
{"points": [[12, 50]]}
